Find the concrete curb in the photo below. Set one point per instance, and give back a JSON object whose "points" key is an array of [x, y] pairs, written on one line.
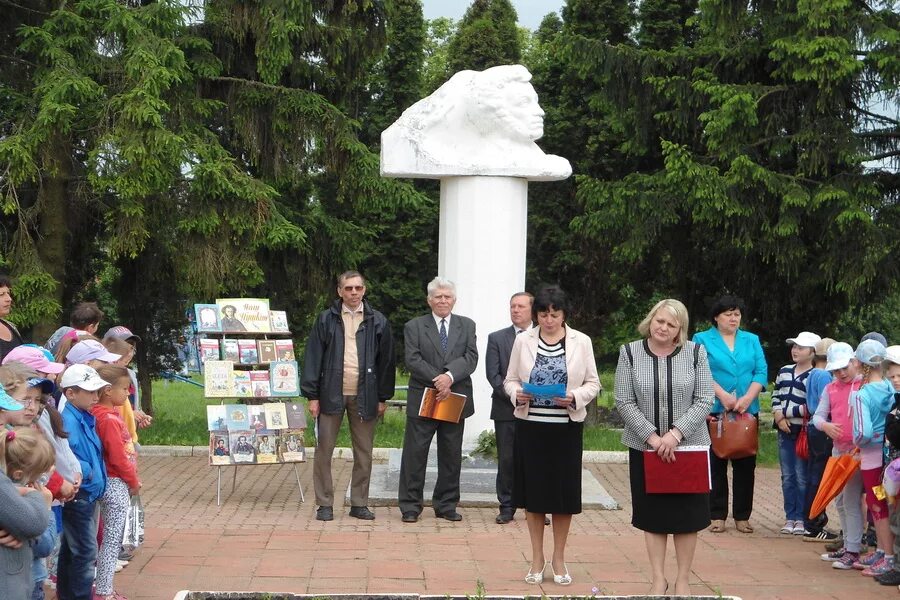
{"points": [[380, 454]]}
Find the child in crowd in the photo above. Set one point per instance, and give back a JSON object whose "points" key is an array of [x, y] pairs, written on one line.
{"points": [[819, 447], [833, 417], [37, 359], [75, 571], [121, 466], [88, 352], [790, 412], [126, 351], [24, 508], [873, 403], [67, 466], [869, 410], [120, 333], [85, 318], [891, 478]]}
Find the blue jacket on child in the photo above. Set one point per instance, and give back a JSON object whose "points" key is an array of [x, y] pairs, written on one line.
{"points": [[869, 409], [85, 444]]}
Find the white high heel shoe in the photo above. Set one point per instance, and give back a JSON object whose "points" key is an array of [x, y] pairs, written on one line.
{"points": [[536, 578], [565, 579]]}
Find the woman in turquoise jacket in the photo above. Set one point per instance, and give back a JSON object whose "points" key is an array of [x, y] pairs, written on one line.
{"points": [[739, 373]]}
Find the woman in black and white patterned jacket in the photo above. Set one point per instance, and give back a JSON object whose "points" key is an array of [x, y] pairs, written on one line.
{"points": [[664, 391]]}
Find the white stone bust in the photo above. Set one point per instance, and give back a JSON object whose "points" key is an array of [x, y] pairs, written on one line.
{"points": [[477, 123]]}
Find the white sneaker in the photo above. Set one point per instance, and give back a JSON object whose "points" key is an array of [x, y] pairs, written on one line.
{"points": [[789, 527], [119, 567], [799, 529]]}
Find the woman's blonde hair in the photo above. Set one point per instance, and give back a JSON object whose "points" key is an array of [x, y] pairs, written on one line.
{"points": [[26, 449], [677, 310]]}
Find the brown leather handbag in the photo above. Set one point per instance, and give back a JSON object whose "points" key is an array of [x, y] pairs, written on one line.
{"points": [[734, 435]]}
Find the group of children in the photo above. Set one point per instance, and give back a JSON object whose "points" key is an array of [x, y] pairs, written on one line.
{"points": [[68, 459], [834, 400]]}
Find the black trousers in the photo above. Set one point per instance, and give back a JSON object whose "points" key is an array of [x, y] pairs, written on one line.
{"points": [[743, 475], [414, 461], [505, 433], [820, 446]]}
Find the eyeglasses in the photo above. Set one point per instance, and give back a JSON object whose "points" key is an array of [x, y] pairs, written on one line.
{"points": [[28, 402], [354, 288]]}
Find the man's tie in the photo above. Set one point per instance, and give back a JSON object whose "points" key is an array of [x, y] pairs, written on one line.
{"points": [[443, 334]]}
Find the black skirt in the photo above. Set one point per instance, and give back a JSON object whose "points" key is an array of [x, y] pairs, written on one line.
{"points": [[547, 473], [664, 513]]}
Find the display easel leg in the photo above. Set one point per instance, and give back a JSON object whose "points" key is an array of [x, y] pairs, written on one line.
{"points": [[234, 479], [299, 487], [219, 487]]}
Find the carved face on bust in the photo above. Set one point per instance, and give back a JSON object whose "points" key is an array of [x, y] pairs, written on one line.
{"points": [[506, 105], [520, 113]]}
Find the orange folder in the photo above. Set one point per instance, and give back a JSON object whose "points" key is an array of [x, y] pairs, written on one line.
{"points": [[689, 474], [449, 409]]}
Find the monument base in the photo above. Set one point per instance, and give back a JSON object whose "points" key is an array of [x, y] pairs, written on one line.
{"points": [[477, 483]]}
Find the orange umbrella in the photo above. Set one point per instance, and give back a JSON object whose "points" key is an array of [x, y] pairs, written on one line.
{"points": [[838, 471]]}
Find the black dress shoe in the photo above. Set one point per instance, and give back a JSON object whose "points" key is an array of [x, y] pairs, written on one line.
{"points": [[503, 518], [410, 517], [450, 515], [324, 513], [362, 512]]}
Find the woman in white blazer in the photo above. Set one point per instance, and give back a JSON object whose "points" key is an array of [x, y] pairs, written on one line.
{"points": [[549, 427]]}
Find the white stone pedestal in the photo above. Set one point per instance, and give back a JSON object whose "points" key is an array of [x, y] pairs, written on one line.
{"points": [[482, 250]]}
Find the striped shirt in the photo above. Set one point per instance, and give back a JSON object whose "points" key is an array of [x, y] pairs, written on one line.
{"points": [[789, 395], [549, 368]]}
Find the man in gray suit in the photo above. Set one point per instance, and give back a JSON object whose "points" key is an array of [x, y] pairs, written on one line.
{"points": [[496, 360], [441, 354]]}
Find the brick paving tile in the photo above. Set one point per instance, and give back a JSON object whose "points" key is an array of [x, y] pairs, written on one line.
{"points": [[262, 539]]}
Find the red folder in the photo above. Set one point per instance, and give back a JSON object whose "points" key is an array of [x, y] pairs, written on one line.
{"points": [[689, 474]]}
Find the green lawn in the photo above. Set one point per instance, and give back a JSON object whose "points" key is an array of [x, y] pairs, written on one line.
{"points": [[180, 420]]}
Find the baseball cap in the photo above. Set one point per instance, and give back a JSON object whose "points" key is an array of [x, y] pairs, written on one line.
{"points": [[47, 386], [121, 332], [823, 346], [839, 356], [870, 352], [7, 402], [892, 354], [82, 376], [34, 357], [874, 335], [86, 350], [805, 339]]}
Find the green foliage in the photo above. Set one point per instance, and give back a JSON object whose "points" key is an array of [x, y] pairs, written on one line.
{"points": [[486, 445], [487, 36], [756, 180]]}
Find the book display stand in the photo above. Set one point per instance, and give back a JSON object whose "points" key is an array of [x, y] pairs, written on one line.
{"points": [[247, 354]]}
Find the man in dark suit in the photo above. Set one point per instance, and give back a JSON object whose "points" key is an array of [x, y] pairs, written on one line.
{"points": [[441, 354], [496, 360]]}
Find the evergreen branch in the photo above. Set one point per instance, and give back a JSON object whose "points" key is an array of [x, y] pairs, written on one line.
{"points": [[17, 58], [875, 115]]}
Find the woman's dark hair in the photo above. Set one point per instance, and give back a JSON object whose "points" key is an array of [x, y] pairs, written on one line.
{"points": [[724, 304], [550, 297], [5, 281]]}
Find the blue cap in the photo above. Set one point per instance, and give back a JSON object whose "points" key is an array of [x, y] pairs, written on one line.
{"points": [[8, 403], [47, 386]]}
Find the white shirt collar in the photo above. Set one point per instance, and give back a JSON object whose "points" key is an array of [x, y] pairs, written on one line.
{"points": [[437, 321]]}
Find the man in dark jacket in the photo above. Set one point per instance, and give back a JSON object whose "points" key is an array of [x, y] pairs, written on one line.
{"points": [[348, 365]]}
